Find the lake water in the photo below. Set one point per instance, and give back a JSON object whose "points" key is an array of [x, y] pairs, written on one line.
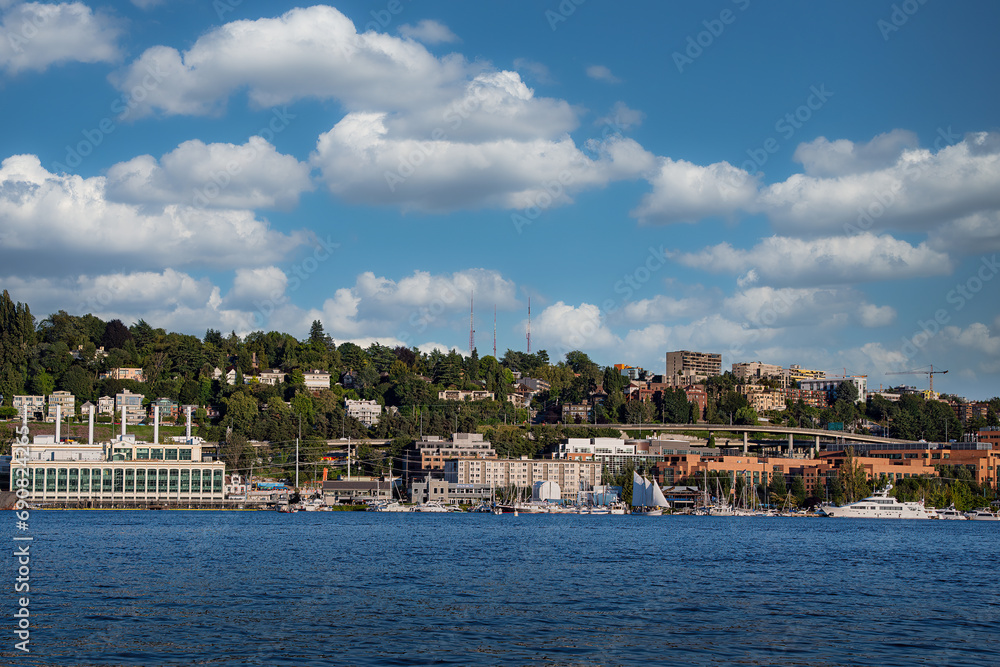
{"points": [[351, 588]]}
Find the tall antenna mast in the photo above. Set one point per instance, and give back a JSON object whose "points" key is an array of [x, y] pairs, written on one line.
{"points": [[494, 331], [529, 325], [472, 330]]}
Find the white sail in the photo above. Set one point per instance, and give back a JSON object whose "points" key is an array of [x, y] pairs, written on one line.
{"points": [[658, 500], [638, 490]]}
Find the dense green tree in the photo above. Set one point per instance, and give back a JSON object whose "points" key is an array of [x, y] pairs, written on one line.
{"points": [[116, 334], [79, 382]]}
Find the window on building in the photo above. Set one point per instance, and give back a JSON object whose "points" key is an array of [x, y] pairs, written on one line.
{"points": [[107, 481], [156, 454], [171, 454], [140, 481], [184, 454], [185, 481], [74, 480], [161, 481], [174, 478], [130, 481]]}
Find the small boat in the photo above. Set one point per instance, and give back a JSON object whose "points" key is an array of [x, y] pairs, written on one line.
{"points": [[951, 514], [981, 515], [429, 506]]}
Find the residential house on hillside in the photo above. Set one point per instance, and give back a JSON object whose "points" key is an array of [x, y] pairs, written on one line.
{"points": [[316, 380], [66, 402]]}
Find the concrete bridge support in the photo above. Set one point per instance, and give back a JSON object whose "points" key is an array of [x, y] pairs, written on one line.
{"points": [[791, 444], [745, 442]]}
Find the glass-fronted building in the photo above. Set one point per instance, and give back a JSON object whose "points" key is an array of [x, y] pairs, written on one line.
{"points": [[117, 471]]}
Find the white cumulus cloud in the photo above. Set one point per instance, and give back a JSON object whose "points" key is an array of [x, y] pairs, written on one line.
{"points": [[35, 36]]}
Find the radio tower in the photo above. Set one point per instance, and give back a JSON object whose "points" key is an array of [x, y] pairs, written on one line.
{"points": [[494, 331], [472, 330], [529, 325]]}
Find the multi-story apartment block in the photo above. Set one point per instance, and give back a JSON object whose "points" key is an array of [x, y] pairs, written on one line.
{"points": [[35, 405], [571, 476], [796, 373], [431, 452], [132, 406], [169, 410], [66, 402], [686, 367], [571, 412], [829, 385], [751, 371], [366, 412]]}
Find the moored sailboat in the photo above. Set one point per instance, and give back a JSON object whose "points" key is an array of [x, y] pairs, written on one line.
{"points": [[647, 498]]}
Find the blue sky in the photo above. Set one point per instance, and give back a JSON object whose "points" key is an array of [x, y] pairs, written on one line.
{"points": [[810, 183]]}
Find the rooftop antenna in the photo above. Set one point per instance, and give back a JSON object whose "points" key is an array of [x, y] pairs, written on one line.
{"points": [[494, 331], [529, 325], [472, 330]]}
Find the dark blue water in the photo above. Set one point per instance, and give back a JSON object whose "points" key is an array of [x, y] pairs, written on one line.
{"points": [[262, 588]]}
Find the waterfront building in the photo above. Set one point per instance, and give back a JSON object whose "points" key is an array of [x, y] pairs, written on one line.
{"points": [[120, 471], [430, 453], [571, 476]]}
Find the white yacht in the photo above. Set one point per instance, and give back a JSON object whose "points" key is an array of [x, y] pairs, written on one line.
{"points": [[951, 514], [880, 505], [982, 515]]}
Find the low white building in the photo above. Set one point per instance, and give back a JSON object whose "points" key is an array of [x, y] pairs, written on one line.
{"points": [[316, 380]]}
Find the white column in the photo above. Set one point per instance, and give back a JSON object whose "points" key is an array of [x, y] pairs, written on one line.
{"points": [[156, 424], [58, 422], [123, 421], [187, 433], [90, 429]]}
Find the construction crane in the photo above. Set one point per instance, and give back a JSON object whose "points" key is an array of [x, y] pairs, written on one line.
{"points": [[919, 371]]}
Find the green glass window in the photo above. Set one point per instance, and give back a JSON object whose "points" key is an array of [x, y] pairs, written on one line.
{"points": [[185, 481], [129, 480], [140, 481], [185, 454], [195, 481], [171, 454], [50, 480], [217, 482], [119, 480], [106, 481], [173, 481], [142, 453], [74, 480], [38, 479], [161, 485], [156, 454]]}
